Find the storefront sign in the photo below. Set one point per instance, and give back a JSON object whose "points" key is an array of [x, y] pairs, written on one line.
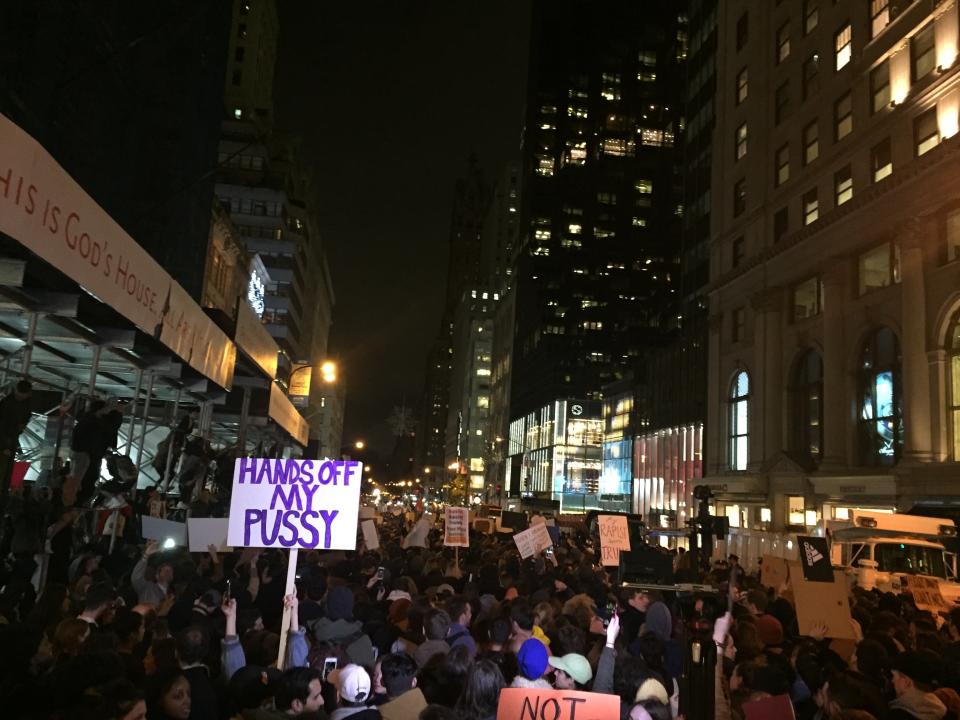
{"points": [[46, 211], [255, 340], [300, 378], [295, 504]]}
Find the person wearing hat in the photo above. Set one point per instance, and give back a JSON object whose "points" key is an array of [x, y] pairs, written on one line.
{"points": [[152, 591], [251, 690], [770, 632], [354, 690], [914, 677], [338, 627], [531, 664], [571, 672]]}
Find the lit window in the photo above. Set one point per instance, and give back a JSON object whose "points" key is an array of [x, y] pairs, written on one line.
{"points": [[926, 132], [843, 185], [811, 143], [811, 16], [879, 267], [606, 198], [880, 415], [879, 16], [881, 164], [739, 433], [639, 222], [880, 87], [740, 141], [237, 113], [545, 165], [842, 46], [483, 372], [574, 228], [922, 53], [476, 464], [576, 153], [742, 86], [644, 187], [808, 405], [783, 42], [953, 238], [541, 234], [651, 137], [811, 207], [795, 510], [483, 401], [617, 147], [807, 299], [782, 165], [843, 117], [577, 111]]}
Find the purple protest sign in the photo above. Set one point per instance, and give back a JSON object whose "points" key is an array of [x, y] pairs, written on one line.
{"points": [[295, 504]]}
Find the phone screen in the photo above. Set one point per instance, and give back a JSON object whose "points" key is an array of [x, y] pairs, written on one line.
{"points": [[227, 594], [380, 573], [329, 665]]}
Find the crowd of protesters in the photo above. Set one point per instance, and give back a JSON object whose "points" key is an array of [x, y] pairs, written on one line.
{"points": [[423, 632]]}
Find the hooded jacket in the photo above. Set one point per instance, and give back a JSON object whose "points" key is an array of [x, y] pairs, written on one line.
{"points": [[349, 635], [917, 704]]}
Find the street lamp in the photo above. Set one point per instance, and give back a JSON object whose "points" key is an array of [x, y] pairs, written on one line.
{"points": [[359, 444], [366, 468], [328, 371]]}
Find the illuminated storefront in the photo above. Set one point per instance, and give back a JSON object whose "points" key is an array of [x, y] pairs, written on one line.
{"points": [[668, 463], [616, 480], [556, 453]]}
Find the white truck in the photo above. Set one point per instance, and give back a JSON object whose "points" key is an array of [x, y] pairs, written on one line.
{"points": [[879, 549]]}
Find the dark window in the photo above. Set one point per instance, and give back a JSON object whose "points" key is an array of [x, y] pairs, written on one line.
{"points": [[843, 117], [881, 164], [238, 54], [781, 223], [811, 143], [880, 416], [922, 53], [237, 77], [808, 399], [736, 254], [880, 87], [739, 197], [926, 133], [811, 16], [781, 102], [811, 75], [742, 31], [242, 31]]}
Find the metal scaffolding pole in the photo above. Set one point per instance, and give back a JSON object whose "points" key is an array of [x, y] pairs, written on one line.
{"points": [[28, 347], [143, 429], [244, 419], [94, 367], [133, 410], [165, 480]]}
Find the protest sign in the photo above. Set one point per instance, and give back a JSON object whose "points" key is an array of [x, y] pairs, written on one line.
{"points": [[815, 557], [549, 704], [773, 571], [367, 512], [370, 536], [164, 530], [456, 527], [925, 591], [533, 540], [818, 602], [417, 537], [614, 537], [295, 503], [777, 707], [204, 532], [515, 521], [483, 525]]}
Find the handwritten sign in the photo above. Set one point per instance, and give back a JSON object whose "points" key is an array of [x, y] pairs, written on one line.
{"points": [[925, 591], [542, 704], [614, 537], [773, 571], [295, 503], [818, 602], [533, 540], [456, 526]]}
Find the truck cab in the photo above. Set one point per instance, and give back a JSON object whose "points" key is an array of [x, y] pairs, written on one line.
{"points": [[878, 549]]}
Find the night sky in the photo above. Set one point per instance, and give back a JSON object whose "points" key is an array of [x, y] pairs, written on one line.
{"points": [[390, 98]]}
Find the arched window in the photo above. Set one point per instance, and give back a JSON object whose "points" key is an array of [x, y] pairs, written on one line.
{"points": [[808, 408], [881, 415], [739, 409], [953, 347]]}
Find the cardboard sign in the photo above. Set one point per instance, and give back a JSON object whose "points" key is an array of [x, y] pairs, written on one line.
{"points": [[370, 536], [544, 704], [614, 537], [163, 530], [417, 537], [815, 557], [456, 527], [533, 540], [483, 525], [925, 591], [367, 512], [295, 503], [773, 571], [204, 532], [777, 707], [818, 602]]}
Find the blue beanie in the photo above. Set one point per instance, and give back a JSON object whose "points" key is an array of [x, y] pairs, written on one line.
{"points": [[532, 659]]}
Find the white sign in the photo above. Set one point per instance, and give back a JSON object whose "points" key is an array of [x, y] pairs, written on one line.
{"points": [[370, 537], [46, 211], [295, 503], [255, 294], [456, 527], [418, 536], [533, 540], [204, 532], [163, 530]]}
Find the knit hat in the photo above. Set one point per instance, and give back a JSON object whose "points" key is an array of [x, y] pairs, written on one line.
{"points": [[532, 659], [251, 685], [652, 689], [659, 621], [353, 683], [340, 603], [574, 665], [769, 630]]}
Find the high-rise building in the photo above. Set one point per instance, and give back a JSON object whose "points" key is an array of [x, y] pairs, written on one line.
{"points": [[251, 61], [597, 271], [834, 313]]}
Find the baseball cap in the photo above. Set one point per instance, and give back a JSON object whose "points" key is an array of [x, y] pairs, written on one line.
{"points": [[574, 665], [251, 685], [353, 683], [532, 659]]}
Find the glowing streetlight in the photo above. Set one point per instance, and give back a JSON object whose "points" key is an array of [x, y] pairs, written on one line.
{"points": [[366, 468], [328, 371], [359, 444]]}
